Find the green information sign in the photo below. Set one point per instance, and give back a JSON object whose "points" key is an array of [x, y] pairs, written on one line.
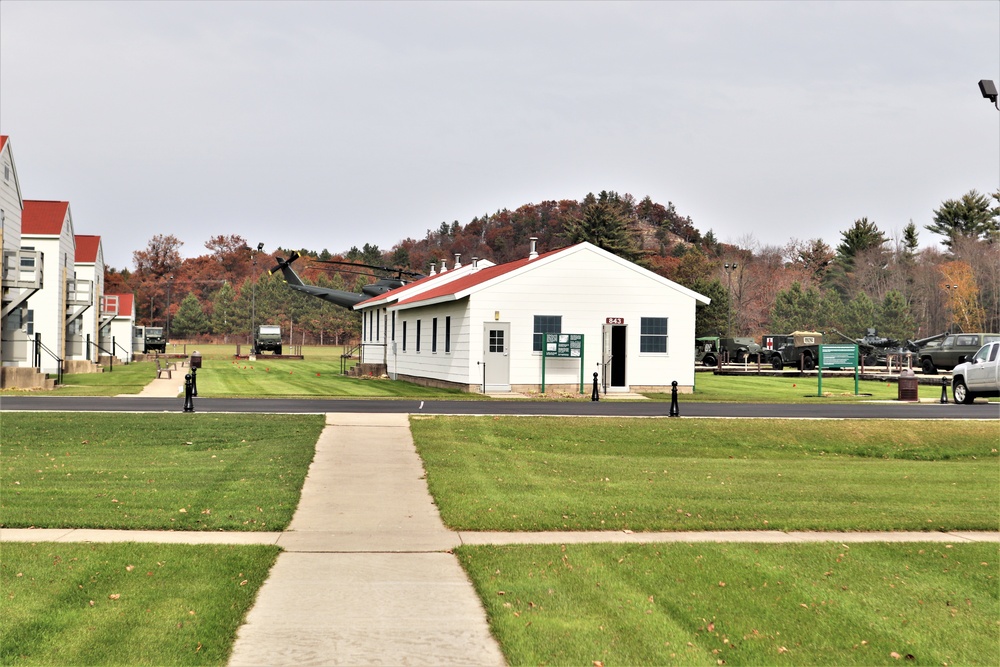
{"points": [[565, 346], [837, 356]]}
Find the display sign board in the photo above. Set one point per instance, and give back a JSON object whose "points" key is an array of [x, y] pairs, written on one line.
{"points": [[563, 345], [614, 320], [838, 356]]}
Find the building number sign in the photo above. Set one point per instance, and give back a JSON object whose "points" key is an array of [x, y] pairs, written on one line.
{"points": [[615, 320]]}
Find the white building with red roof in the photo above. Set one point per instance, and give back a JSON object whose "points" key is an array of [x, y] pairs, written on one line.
{"points": [[118, 326], [55, 310], [22, 268], [88, 267], [551, 319]]}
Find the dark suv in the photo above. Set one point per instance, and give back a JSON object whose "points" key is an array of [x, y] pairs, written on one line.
{"points": [[952, 351]]}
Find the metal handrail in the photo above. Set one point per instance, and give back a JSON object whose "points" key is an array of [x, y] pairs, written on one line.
{"points": [[39, 348]]}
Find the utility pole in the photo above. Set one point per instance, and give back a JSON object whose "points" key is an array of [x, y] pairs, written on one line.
{"points": [[729, 280]]}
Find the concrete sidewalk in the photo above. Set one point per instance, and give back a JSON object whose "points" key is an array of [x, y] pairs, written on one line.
{"points": [[366, 577]]}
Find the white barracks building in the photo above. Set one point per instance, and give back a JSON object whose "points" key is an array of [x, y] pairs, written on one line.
{"points": [[482, 327]]}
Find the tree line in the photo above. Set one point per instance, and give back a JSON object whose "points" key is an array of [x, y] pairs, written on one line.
{"points": [[871, 279]]}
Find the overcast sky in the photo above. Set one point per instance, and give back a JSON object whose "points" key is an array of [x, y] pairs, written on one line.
{"points": [[332, 124]]}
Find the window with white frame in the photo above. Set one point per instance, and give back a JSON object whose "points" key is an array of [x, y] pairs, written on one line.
{"points": [[653, 335]]}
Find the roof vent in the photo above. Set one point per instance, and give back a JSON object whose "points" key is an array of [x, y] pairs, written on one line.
{"points": [[444, 266], [475, 263], [433, 269], [458, 261], [534, 253]]}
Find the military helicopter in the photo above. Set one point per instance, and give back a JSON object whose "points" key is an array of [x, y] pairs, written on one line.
{"points": [[341, 297]]}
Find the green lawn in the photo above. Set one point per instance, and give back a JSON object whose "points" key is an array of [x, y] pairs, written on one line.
{"points": [[537, 473], [169, 471], [741, 604], [711, 388], [307, 379], [126, 604]]}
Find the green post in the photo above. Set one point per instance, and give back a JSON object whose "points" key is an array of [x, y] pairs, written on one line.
{"points": [[581, 362], [819, 389], [545, 344]]}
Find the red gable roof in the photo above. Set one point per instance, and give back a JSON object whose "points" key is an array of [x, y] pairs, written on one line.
{"points": [[43, 217], [477, 278], [126, 303], [86, 248], [3, 141]]}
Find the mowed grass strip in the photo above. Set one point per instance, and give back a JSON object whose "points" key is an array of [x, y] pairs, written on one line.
{"points": [[126, 604], [740, 604], [171, 471], [306, 379], [119, 379], [711, 388], [540, 473]]}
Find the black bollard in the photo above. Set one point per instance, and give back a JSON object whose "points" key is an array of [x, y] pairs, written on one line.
{"points": [[596, 394], [194, 382], [674, 411], [944, 390], [188, 400]]}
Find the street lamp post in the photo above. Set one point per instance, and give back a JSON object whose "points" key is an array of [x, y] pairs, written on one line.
{"points": [[166, 332], [729, 281], [253, 301]]}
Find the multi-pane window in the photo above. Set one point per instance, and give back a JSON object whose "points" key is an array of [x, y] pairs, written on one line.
{"points": [[496, 340], [545, 324], [447, 335], [653, 334]]}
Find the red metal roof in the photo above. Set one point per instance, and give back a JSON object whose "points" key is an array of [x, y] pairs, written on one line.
{"points": [[3, 141], [477, 278], [43, 217], [126, 303], [86, 248]]}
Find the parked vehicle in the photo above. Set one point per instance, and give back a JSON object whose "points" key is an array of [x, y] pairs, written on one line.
{"points": [[800, 349], [153, 340], [874, 349], [947, 352], [709, 349], [979, 376], [268, 339]]}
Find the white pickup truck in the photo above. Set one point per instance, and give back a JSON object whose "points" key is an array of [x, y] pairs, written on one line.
{"points": [[979, 376]]}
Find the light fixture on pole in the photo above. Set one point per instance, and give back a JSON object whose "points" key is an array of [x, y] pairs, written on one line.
{"points": [[729, 281], [989, 91]]}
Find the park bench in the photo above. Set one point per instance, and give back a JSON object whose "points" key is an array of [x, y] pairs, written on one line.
{"points": [[163, 371]]}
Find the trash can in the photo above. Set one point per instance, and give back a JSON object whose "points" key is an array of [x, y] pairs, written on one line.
{"points": [[195, 359], [909, 388]]}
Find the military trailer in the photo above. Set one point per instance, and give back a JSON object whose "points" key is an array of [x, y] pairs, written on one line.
{"points": [[799, 349], [153, 340], [268, 339], [709, 349]]}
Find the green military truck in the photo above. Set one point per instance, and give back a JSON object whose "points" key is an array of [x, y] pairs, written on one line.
{"points": [[709, 349], [799, 349], [268, 339], [153, 340]]}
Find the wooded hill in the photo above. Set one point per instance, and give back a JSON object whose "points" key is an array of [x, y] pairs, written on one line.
{"points": [[868, 280]]}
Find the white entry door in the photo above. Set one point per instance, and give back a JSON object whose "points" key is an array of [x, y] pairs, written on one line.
{"points": [[496, 348]]}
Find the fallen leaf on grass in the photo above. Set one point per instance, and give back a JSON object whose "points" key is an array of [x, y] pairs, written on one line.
{"points": [[114, 596]]}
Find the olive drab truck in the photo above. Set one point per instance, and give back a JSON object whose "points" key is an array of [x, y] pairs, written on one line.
{"points": [[268, 339]]}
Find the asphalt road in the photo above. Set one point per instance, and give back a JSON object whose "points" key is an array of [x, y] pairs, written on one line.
{"points": [[505, 407]]}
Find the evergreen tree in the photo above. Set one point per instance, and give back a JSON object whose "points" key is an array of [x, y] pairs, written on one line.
{"points": [[603, 225], [894, 319], [795, 309], [859, 316], [189, 320], [972, 216], [223, 310], [711, 320]]}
